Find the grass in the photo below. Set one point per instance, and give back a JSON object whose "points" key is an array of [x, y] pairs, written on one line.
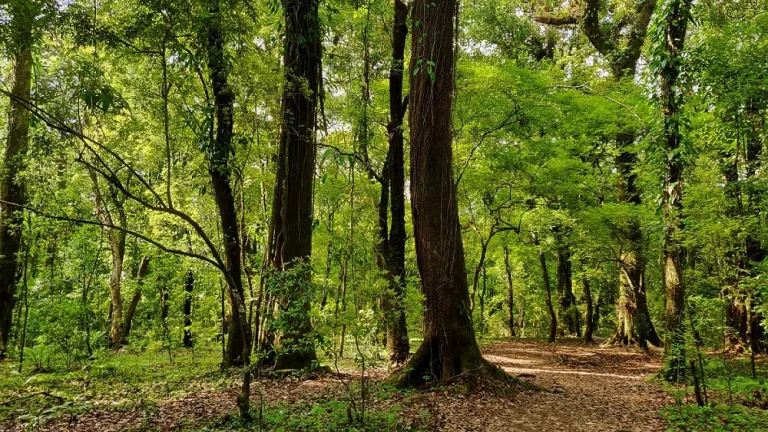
{"points": [[113, 381], [143, 379]]}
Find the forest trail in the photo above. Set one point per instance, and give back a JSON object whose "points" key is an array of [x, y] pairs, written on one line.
{"points": [[583, 388], [586, 388]]}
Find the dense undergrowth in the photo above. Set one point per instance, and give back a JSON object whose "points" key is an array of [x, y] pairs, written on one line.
{"points": [[732, 399]]}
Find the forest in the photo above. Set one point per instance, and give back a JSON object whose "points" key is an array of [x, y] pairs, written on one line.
{"points": [[384, 215]]}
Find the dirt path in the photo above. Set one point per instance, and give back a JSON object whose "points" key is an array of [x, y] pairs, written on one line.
{"points": [[585, 388], [589, 389]]}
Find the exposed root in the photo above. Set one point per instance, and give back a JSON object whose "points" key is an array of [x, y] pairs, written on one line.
{"points": [[467, 371]]}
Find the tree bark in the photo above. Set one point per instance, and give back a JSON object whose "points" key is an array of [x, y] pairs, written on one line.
{"points": [[588, 319], [568, 312], [676, 21], [398, 345], [548, 296], [292, 207], [189, 285], [11, 186], [510, 293], [134, 303], [449, 348], [238, 352]]}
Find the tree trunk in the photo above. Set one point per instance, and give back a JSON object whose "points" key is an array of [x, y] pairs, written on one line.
{"points": [[449, 347], [677, 16], [548, 296], [131, 311], [633, 321], [292, 207], [568, 312], [588, 319], [511, 293], [398, 345], [189, 285], [239, 342], [11, 187]]}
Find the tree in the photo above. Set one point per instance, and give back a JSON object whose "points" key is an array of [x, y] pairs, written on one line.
{"points": [[12, 188], [292, 213], [620, 41], [449, 347], [393, 243], [239, 342], [669, 39]]}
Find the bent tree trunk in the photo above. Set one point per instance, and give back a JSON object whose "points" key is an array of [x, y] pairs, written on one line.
{"points": [[449, 347], [292, 207], [11, 188]]}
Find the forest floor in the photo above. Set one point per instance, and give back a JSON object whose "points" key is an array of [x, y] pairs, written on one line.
{"points": [[580, 388]]}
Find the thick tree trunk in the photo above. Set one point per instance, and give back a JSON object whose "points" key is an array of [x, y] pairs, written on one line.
{"points": [[116, 335], [676, 25], [189, 285], [633, 321], [11, 188], [449, 347], [510, 293], [239, 342], [292, 207]]}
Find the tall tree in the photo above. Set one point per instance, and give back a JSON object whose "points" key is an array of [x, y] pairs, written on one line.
{"points": [[292, 213], [11, 185], [669, 39], [449, 347], [392, 243], [239, 343], [620, 42]]}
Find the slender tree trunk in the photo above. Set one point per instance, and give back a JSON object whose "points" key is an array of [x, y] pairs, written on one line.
{"points": [[677, 15], [189, 285], [292, 207], [398, 345], [548, 296], [449, 347], [131, 311], [568, 312], [239, 342], [588, 319], [476, 274], [510, 292], [11, 186]]}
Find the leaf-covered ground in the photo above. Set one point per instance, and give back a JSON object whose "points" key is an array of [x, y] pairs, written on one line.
{"points": [[581, 388]]}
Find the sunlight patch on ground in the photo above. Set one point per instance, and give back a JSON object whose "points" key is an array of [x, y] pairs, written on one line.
{"points": [[550, 371], [506, 360]]}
